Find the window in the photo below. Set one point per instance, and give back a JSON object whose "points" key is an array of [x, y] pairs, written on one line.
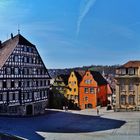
{"points": [[4, 96], [44, 94], [30, 60], [122, 87], [91, 90], [74, 89], [16, 71], [16, 96], [44, 82], [88, 81], [25, 49], [16, 58], [86, 98], [40, 83], [86, 90], [1, 97], [71, 96], [131, 71], [28, 95], [13, 96], [16, 84], [4, 84], [8, 70], [27, 71], [28, 83], [123, 71], [30, 49], [36, 83], [43, 72], [72, 83], [131, 100], [12, 84], [19, 83], [25, 59], [123, 99], [131, 87]]}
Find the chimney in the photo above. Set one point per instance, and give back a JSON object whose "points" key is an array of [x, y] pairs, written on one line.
{"points": [[11, 36]]}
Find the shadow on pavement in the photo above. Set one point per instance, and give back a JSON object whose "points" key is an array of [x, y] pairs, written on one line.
{"points": [[56, 122]]}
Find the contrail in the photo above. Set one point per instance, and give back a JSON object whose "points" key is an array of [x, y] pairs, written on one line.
{"points": [[83, 12]]}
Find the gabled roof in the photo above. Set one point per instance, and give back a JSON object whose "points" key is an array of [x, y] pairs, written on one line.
{"points": [[8, 47], [98, 78], [79, 74]]}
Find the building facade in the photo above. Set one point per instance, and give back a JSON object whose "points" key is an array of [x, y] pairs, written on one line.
{"points": [[88, 91], [57, 96], [24, 79], [72, 91], [128, 86], [60, 84]]}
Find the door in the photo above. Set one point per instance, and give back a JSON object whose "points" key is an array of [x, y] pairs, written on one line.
{"points": [[29, 110]]}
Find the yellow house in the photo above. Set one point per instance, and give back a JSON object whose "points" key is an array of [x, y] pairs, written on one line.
{"points": [[73, 82]]}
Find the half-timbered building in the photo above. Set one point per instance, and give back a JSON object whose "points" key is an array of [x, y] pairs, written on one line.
{"points": [[24, 79]]}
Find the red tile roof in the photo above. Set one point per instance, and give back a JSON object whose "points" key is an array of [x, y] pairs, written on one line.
{"points": [[8, 47], [134, 64]]}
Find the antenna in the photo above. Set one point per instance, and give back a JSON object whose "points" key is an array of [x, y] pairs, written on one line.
{"points": [[18, 29]]}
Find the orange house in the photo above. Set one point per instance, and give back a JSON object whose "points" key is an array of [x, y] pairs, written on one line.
{"points": [[87, 91], [92, 90]]}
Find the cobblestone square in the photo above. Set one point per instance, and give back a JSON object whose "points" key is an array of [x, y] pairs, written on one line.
{"points": [[76, 125]]}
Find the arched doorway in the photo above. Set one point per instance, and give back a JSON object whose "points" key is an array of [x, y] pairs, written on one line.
{"points": [[90, 106], [29, 110]]}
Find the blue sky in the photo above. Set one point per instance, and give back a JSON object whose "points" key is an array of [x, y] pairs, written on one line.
{"points": [[71, 33]]}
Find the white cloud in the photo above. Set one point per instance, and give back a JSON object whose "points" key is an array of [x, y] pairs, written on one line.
{"points": [[86, 5]]}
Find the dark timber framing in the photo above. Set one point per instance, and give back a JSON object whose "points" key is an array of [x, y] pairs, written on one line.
{"points": [[24, 79]]}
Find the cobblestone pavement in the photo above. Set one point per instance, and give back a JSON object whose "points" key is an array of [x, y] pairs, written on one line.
{"points": [[75, 125]]}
